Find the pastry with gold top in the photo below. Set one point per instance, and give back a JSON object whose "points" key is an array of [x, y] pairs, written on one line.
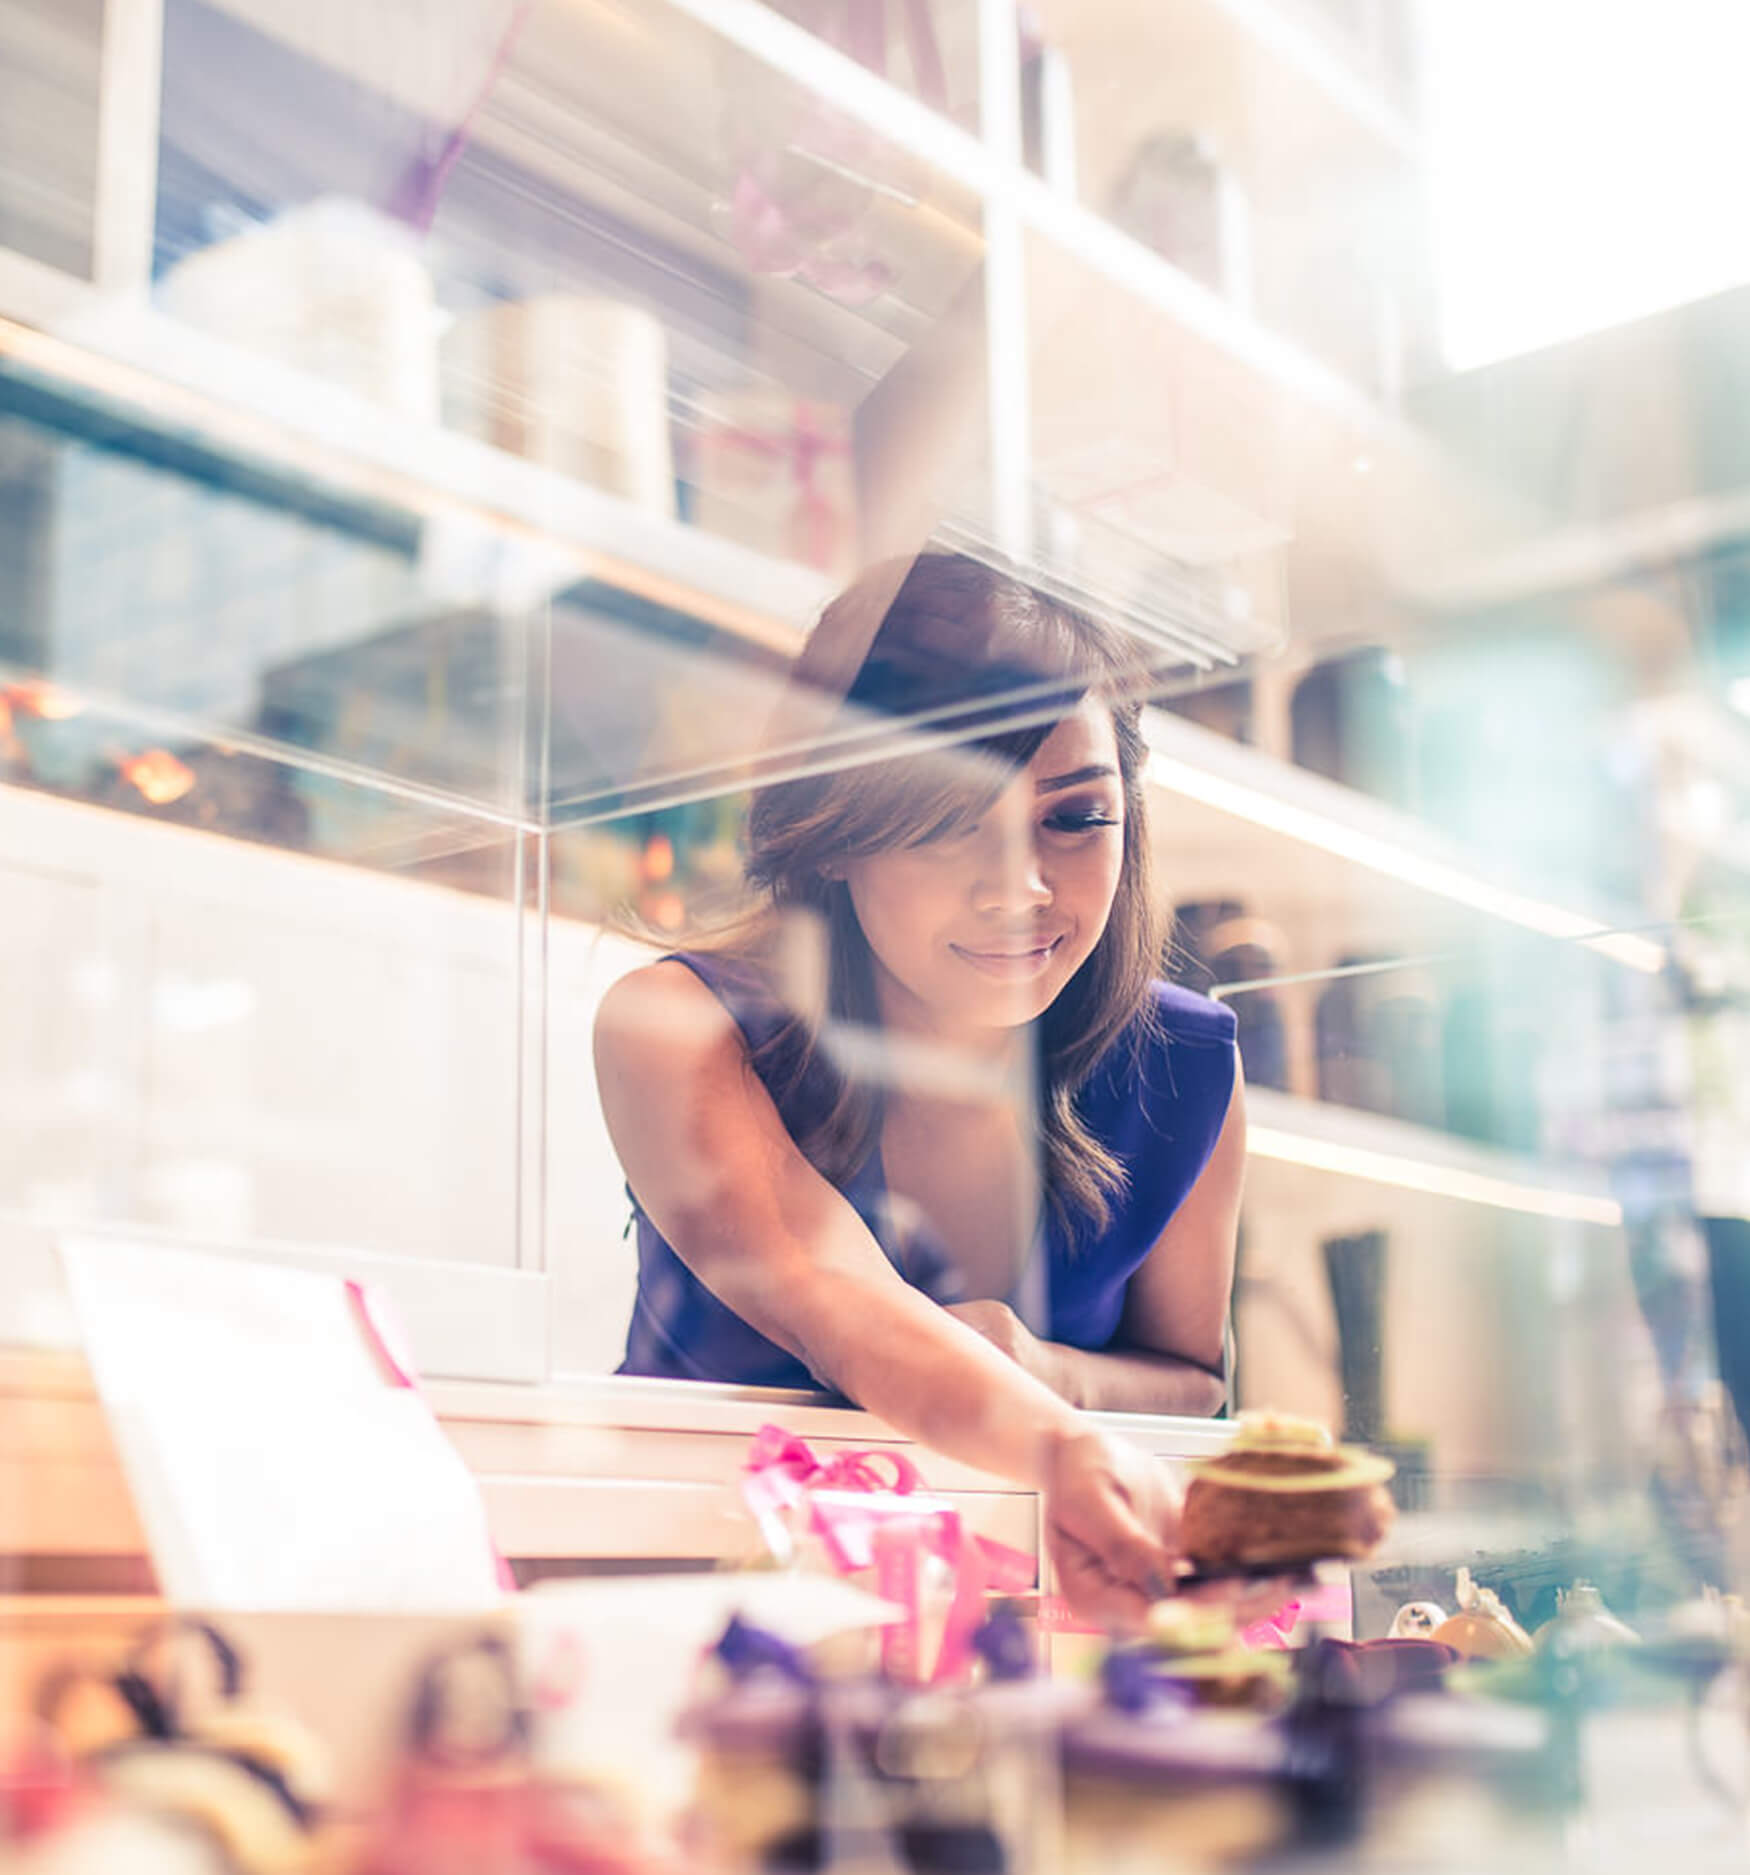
{"points": [[1284, 1495], [1482, 1629]]}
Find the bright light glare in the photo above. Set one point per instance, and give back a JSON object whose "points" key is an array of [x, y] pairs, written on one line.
{"points": [[1442, 1181], [1584, 157], [1739, 696], [1404, 863]]}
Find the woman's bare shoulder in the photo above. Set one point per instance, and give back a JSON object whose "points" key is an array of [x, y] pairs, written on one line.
{"points": [[698, 1136], [664, 1013]]}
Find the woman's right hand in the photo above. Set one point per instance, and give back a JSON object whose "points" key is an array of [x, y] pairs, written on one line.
{"points": [[1112, 1530], [1111, 1527]]}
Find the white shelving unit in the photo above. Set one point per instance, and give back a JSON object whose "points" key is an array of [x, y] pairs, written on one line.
{"points": [[532, 529], [1345, 871], [1264, 36], [1339, 871]]}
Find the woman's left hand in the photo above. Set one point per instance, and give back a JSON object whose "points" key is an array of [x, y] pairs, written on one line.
{"points": [[1008, 1334]]}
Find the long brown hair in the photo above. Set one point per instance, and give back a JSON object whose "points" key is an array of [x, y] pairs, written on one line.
{"points": [[946, 653]]}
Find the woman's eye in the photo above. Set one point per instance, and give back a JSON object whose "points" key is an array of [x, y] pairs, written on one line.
{"points": [[1080, 820]]}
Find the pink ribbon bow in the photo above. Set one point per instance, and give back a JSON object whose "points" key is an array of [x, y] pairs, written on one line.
{"points": [[856, 1505]]}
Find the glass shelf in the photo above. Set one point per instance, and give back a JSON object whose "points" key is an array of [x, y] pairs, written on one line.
{"points": [[634, 262]]}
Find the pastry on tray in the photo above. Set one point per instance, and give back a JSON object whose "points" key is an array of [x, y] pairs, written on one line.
{"points": [[1483, 1628], [1283, 1496]]}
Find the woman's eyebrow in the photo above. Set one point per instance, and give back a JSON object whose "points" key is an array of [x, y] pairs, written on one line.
{"points": [[1098, 772]]}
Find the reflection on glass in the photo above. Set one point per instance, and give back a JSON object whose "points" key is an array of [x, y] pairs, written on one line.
{"points": [[1514, 1162], [249, 1042], [931, 52], [598, 239], [428, 438], [52, 57], [178, 593]]}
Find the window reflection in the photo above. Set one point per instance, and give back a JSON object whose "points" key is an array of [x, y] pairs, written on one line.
{"points": [[412, 541]]}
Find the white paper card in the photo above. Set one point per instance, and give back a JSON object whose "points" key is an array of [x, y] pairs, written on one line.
{"points": [[274, 1458]]}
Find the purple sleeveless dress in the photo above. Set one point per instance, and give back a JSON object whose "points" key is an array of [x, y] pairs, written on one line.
{"points": [[1156, 1100]]}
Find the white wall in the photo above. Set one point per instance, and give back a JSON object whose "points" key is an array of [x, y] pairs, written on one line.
{"points": [[235, 1044]]}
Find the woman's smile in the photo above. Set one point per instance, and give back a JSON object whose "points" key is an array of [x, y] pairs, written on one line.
{"points": [[1008, 962]]}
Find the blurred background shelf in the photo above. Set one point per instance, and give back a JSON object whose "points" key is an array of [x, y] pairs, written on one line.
{"points": [[519, 527], [1340, 869], [484, 523], [1250, 45], [1322, 1137], [1137, 295], [608, 154], [607, 146]]}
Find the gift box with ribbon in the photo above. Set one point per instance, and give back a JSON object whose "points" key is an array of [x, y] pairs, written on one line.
{"points": [[775, 472], [863, 1515]]}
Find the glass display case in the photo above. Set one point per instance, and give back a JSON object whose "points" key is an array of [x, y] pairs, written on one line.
{"points": [[427, 439]]}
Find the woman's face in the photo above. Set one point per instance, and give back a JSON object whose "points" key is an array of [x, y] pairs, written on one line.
{"points": [[980, 929]]}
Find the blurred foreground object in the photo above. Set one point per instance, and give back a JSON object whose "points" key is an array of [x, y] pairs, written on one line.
{"points": [[1285, 1494]]}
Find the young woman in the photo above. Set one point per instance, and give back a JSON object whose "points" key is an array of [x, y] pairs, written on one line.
{"points": [[927, 1130]]}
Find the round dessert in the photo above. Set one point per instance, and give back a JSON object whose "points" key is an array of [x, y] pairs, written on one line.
{"points": [[1196, 1650], [1283, 1495], [1482, 1629]]}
